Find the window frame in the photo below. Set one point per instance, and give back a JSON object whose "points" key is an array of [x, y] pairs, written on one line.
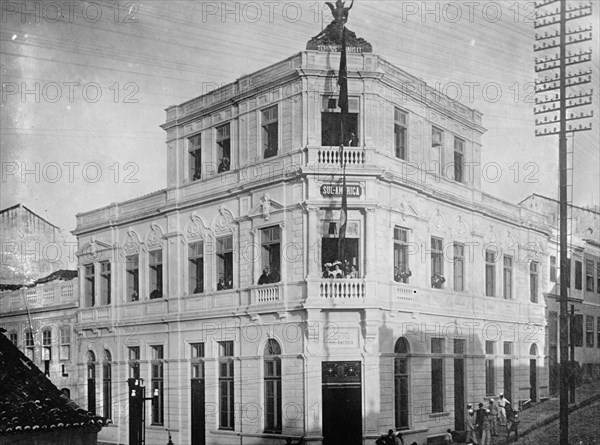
{"points": [[157, 384], [459, 159], [105, 283], [89, 288], [490, 273], [401, 132], [194, 157], [589, 275], [195, 255], [402, 381], [437, 367], [553, 269], [221, 251], [133, 361], [64, 343], [156, 272], [226, 379], [269, 238], [534, 281], [589, 331], [437, 262], [507, 277], [401, 263], [223, 145], [107, 384], [270, 129], [273, 384], [578, 275], [458, 258], [132, 277]]}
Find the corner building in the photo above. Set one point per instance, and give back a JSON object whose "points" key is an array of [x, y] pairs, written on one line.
{"points": [[445, 307]]}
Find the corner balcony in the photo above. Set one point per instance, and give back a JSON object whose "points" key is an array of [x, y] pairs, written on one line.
{"points": [[331, 157]]}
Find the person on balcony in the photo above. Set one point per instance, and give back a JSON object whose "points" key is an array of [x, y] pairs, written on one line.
{"points": [[337, 271], [275, 277], [224, 165], [327, 271], [265, 278], [353, 272], [221, 284]]}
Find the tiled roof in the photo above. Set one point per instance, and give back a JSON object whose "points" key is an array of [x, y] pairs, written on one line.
{"points": [[30, 402], [63, 275]]}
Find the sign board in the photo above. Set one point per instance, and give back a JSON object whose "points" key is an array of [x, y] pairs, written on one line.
{"points": [[331, 190]]}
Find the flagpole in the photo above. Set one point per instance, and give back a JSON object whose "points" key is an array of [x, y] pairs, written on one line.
{"points": [[343, 104]]}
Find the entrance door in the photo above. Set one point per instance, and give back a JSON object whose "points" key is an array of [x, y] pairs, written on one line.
{"points": [[508, 381], [342, 403], [198, 418], [533, 380], [459, 394]]}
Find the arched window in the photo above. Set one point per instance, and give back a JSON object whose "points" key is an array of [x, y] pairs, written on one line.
{"points": [[401, 382], [272, 387], [91, 376], [533, 350], [107, 385]]}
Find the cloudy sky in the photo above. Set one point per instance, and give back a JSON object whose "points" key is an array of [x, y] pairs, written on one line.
{"points": [[84, 86]]}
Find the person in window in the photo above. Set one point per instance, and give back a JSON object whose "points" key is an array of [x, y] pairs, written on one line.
{"points": [[135, 296], [270, 152], [327, 271], [196, 176], [229, 282], [221, 284], [223, 165], [199, 288], [352, 141], [397, 274], [156, 293], [353, 272], [265, 278], [275, 277], [337, 271]]}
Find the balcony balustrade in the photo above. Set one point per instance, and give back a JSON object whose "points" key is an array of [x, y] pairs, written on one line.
{"points": [[42, 295]]}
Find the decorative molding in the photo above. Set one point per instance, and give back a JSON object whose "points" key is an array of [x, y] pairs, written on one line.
{"points": [[223, 220], [195, 228], [155, 237], [437, 222]]}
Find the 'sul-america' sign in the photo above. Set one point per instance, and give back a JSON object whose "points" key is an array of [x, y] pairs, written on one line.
{"points": [[352, 190]]}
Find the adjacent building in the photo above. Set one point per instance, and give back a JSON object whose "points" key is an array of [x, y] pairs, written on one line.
{"points": [[583, 281], [439, 297]]}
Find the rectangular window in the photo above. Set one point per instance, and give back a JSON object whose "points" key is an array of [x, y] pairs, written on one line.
{"points": [[270, 255], [225, 263], [105, 283], [196, 268], [331, 121], [270, 132], [553, 274], [460, 346], [578, 275], [589, 331], [226, 396], [589, 275], [459, 267], [156, 274], [107, 389], [437, 142], [132, 269], [552, 328], [437, 376], [459, 155], [157, 366], [197, 362], [508, 348], [89, 286], [195, 157], [533, 281], [64, 352], [401, 267], [490, 377], [273, 411], [400, 133], [490, 273], [29, 345], [13, 338], [507, 282], [437, 263], [489, 347], [577, 330], [134, 362], [224, 148], [47, 350]]}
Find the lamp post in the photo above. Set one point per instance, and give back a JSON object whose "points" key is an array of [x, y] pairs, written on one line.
{"points": [[137, 411]]}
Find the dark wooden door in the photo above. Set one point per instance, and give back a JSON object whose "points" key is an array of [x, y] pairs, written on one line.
{"points": [[508, 381], [342, 417], [533, 380], [198, 413], [459, 394]]}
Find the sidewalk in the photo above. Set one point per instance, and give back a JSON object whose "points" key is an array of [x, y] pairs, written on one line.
{"points": [[546, 412]]}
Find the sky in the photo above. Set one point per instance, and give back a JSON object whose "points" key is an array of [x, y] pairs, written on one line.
{"points": [[85, 86]]}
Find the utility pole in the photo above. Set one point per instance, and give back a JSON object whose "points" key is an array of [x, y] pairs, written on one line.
{"points": [[556, 106]]}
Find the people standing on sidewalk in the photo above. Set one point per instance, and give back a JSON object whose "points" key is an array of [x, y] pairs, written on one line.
{"points": [[502, 402], [493, 417], [513, 424], [470, 426], [479, 420], [486, 437]]}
